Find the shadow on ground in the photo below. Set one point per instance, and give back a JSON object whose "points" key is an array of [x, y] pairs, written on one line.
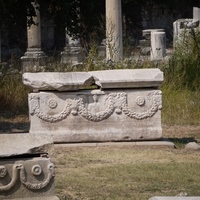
{"points": [[14, 127], [181, 142]]}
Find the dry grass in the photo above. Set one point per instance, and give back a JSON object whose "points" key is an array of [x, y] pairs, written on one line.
{"points": [[129, 172], [125, 172]]}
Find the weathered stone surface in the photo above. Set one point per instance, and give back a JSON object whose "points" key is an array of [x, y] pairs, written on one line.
{"points": [[96, 115], [182, 30], [136, 78], [175, 198], [20, 144], [57, 81], [158, 45], [27, 178], [192, 146]]}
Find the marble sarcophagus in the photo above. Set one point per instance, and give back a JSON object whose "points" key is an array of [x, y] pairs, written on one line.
{"points": [[111, 105]]}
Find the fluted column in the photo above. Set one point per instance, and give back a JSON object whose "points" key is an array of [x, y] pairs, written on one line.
{"points": [[114, 46]]}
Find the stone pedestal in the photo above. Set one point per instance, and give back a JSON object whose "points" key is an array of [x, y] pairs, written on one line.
{"points": [[158, 45], [127, 105], [73, 55], [114, 43], [196, 13], [34, 59], [26, 172], [27, 178]]}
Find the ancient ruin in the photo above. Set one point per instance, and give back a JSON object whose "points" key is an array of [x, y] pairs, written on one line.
{"points": [[114, 44], [185, 28], [34, 59], [111, 105], [26, 171], [73, 53]]}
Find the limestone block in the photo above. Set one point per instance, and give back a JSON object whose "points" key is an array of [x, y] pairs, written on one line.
{"points": [[182, 29], [136, 78], [20, 144], [97, 115], [27, 179], [57, 81], [73, 55], [192, 146]]}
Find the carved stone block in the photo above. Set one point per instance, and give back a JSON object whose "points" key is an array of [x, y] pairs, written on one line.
{"points": [[27, 178], [97, 115]]}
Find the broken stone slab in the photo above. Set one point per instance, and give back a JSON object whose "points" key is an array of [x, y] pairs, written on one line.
{"points": [[27, 179], [24, 144], [57, 81], [175, 198], [128, 78]]}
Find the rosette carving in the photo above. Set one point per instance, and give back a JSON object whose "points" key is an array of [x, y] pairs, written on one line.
{"points": [[37, 186]]}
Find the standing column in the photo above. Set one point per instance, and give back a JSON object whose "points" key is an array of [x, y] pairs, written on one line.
{"points": [[114, 46], [196, 13], [34, 59]]}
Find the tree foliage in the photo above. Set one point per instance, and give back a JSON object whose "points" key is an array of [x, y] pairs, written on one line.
{"points": [[82, 18]]}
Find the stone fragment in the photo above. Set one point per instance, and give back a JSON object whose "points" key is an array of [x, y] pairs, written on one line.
{"points": [[27, 179], [135, 78], [24, 144], [57, 81], [192, 146], [158, 45], [73, 53], [182, 30]]}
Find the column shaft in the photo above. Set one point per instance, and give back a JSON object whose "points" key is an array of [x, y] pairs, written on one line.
{"points": [[114, 46]]}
